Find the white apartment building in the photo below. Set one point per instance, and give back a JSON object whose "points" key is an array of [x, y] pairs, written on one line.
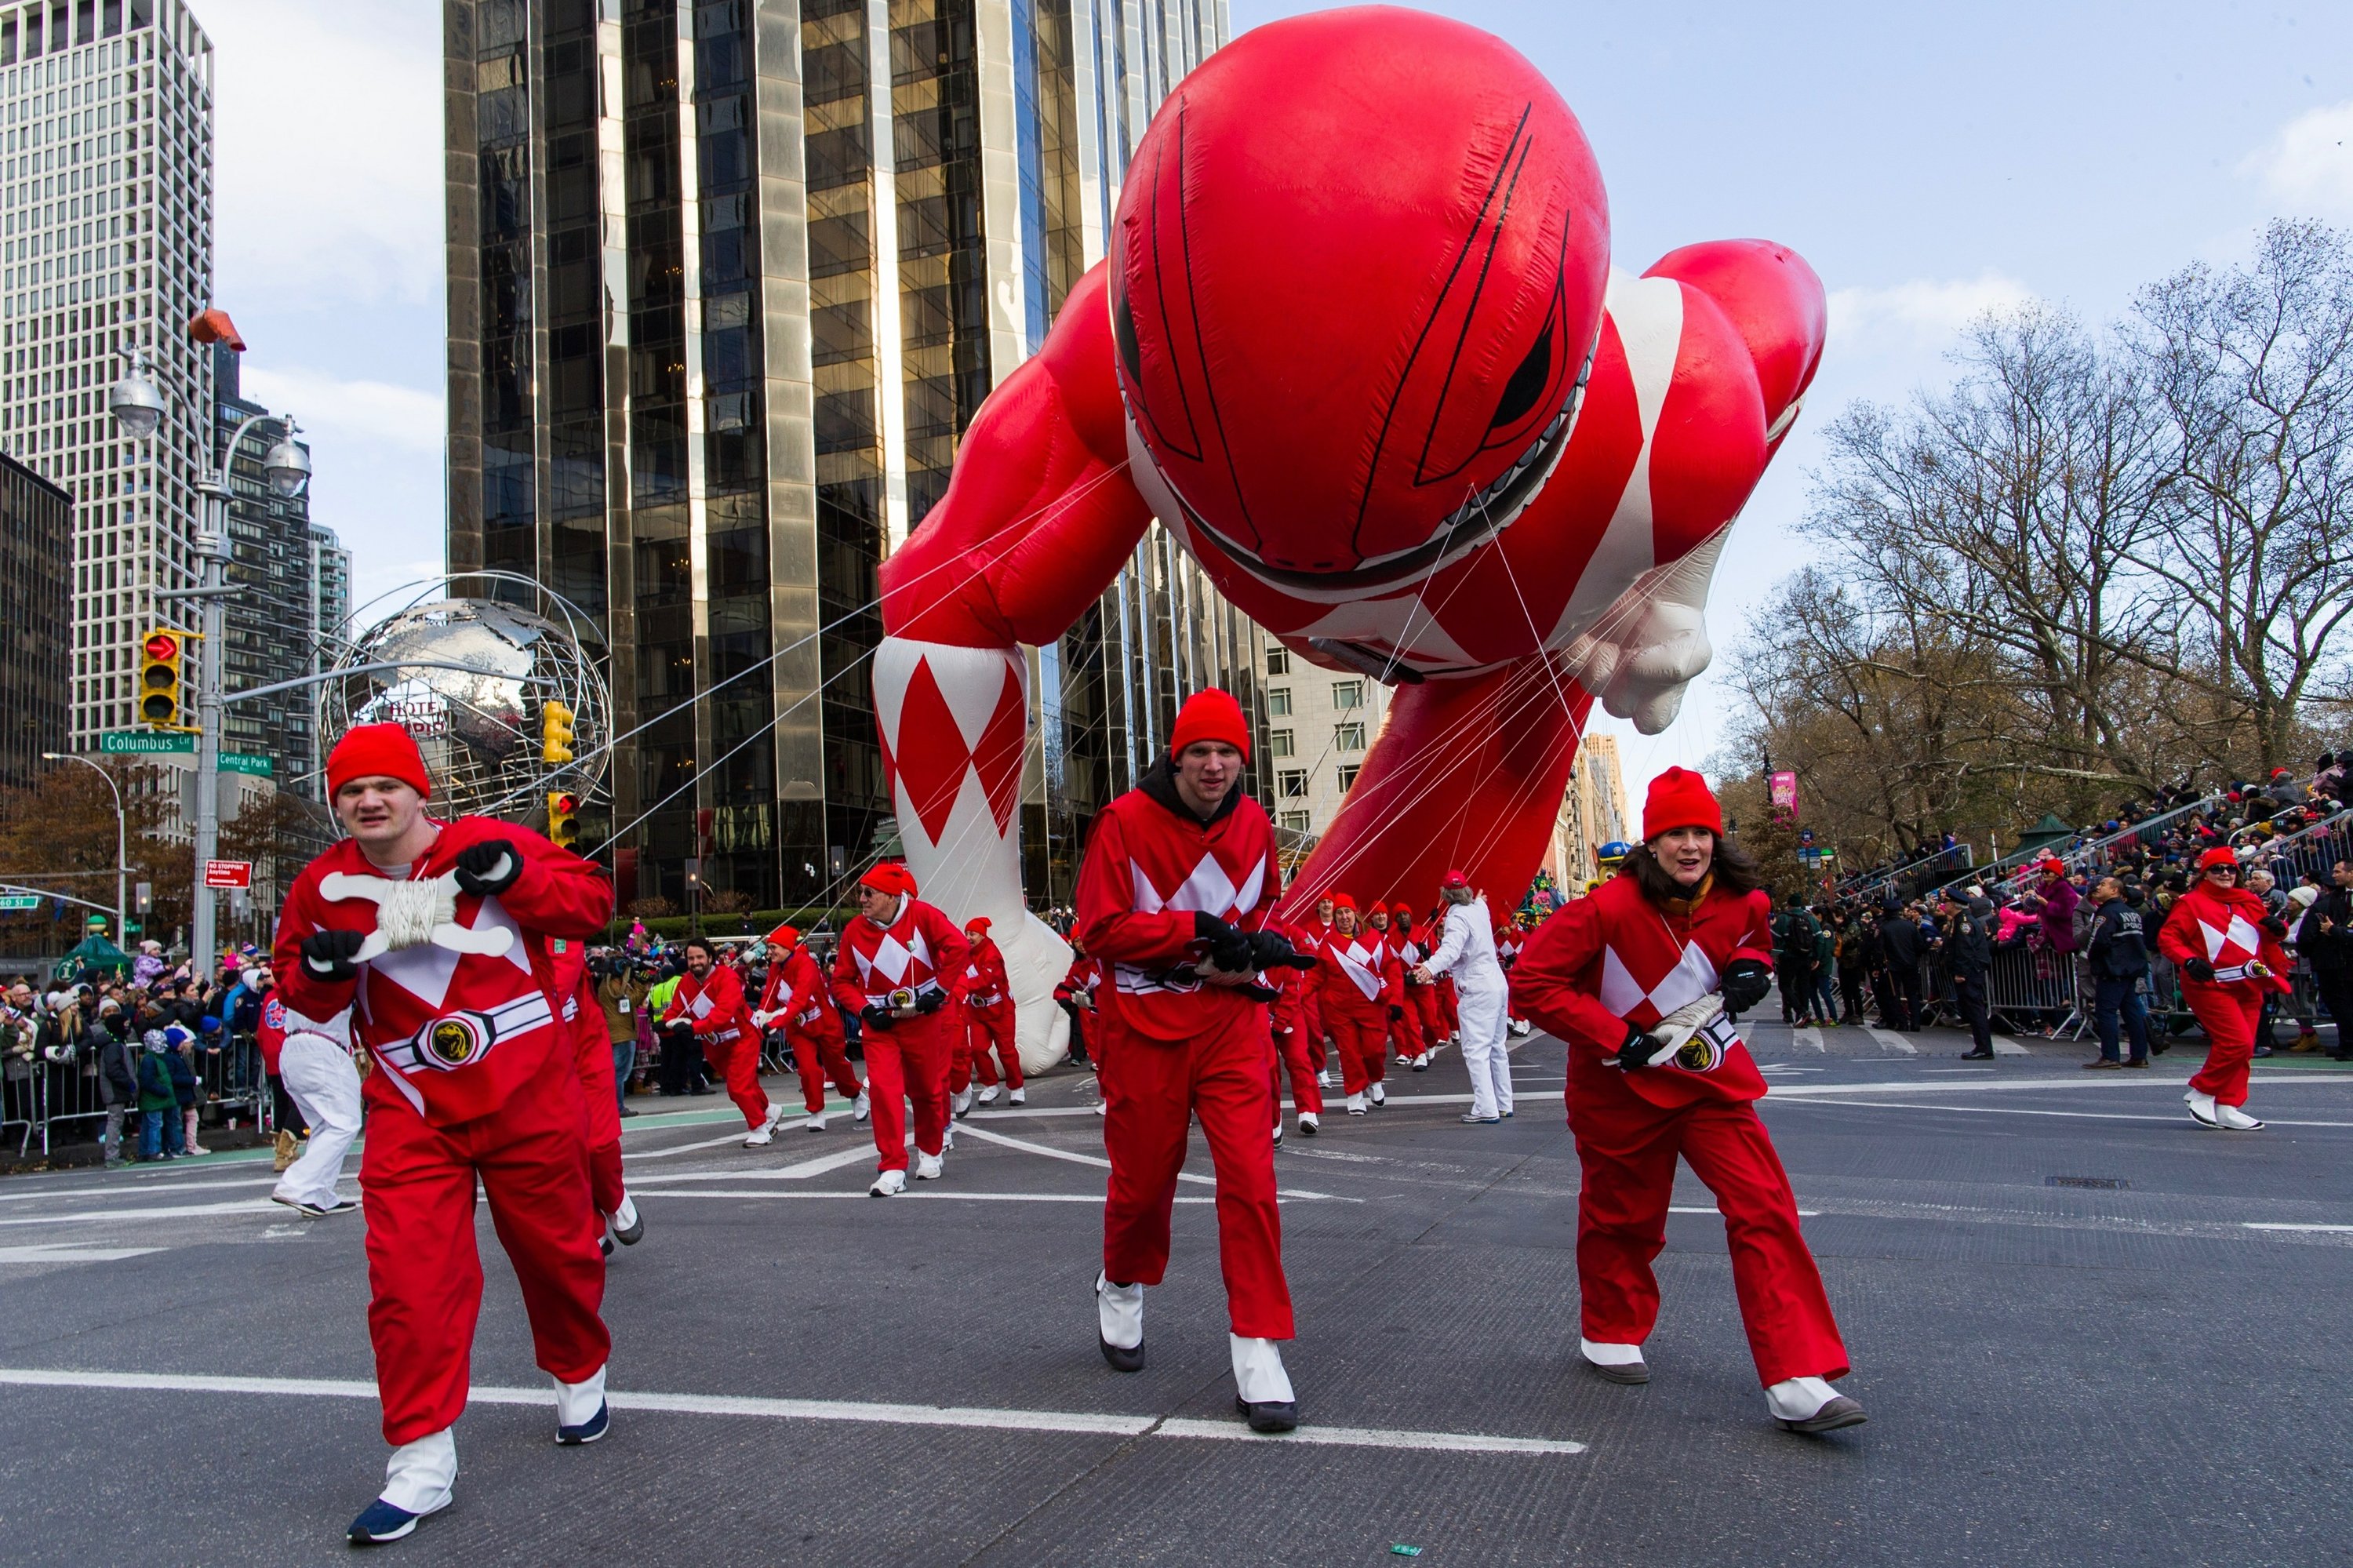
{"points": [[1320, 724], [106, 202]]}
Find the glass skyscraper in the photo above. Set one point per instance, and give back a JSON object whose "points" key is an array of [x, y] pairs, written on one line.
{"points": [[727, 283]]}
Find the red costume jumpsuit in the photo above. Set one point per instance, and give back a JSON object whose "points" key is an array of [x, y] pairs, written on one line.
{"points": [[796, 998], [1357, 984], [1614, 959], [1308, 937], [2224, 928], [1425, 1004], [1289, 1017], [987, 1007], [474, 1081], [923, 952], [1176, 1047], [592, 1057], [714, 1006]]}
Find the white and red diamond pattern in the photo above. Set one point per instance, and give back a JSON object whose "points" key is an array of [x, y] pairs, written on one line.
{"points": [[1692, 977]]}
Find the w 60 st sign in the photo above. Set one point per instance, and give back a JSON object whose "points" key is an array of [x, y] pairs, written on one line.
{"points": [[228, 874]]}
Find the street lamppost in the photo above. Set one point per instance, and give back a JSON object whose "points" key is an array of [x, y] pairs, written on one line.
{"points": [[137, 403], [121, 838]]}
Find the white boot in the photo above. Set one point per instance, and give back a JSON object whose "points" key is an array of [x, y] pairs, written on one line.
{"points": [[2235, 1119], [961, 1101], [927, 1166], [2201, 1108], [759, 1134], [864, 1108], [1278, 1132], [1618, 1364], [1118, 1313], [1261, 1388], [777, 1111], [889, 1184], [1811, 1405], [1355, 1104], [1323, 1078], [1099, 1108], [1308, 1125], [419, 1475], [1016, 1097], [581, 1416], [816, 1123], [988, 1096], [625, 1224], [1378, 1094]]}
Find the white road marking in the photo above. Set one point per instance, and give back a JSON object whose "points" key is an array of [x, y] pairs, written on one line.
{"points": [[2003, 1046], [126, 1189], [2260, 1225], [182, 1211], [738, 1136], [2183, 1118], [1811, 1039], [1712, 1208], [1077, 1159], [1956, 1069], [1083, 1422], [73, 1254], [927, 1191], [1892, 1041]]}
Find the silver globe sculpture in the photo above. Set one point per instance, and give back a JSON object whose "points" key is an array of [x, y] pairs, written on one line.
{"points": [[479, 726]]}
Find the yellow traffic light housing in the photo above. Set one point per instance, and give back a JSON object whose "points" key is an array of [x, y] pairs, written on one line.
{"points": [[160, 655], [554, 732], [562, 806]]}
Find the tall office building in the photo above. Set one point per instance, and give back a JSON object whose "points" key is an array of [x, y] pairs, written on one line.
{"points": [[727, 281], [1593, 812], [1320, 725], [36, 619], [106, 201]]}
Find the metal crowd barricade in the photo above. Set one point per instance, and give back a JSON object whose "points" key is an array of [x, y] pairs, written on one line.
{"points": [[70, 1092], [233, 1079], [2029, 986]]}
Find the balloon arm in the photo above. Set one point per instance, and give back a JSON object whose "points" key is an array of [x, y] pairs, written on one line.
{"points": [[1468, 774], [1040, 513]]}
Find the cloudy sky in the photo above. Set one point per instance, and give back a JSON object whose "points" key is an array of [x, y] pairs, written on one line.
{"points": [[1930, 161]]}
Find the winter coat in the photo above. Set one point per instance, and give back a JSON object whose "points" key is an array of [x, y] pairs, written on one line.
{"points": [[2119, 945]]}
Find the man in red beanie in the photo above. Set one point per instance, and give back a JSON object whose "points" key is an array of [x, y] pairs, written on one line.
{"points": [[987, 1007], [899, 967], [1173, 894], [1643, 980], [437, 935], [796, 999], [709, 999], [2226, 946]]}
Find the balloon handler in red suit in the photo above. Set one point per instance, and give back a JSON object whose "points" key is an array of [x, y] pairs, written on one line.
{"points": [[1643, 980], [435, 935], [2226, 946], [797, 1000], [899, 969], [710, 998], [987, 1007], [1173, 894], [617, 1219]]}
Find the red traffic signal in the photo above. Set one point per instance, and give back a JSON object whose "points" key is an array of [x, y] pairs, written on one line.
{"points": [[162, 645]]}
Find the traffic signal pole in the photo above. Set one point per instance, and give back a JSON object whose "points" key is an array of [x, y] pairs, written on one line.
{"points": [[212, 542]]}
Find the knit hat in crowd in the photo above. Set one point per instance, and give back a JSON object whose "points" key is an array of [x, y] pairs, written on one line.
{"points": [[377, 751], [2219, 855], [1680, 798], [890, 876], [1340, 900], [1210, 714], [782, 936], [2303, 897]]}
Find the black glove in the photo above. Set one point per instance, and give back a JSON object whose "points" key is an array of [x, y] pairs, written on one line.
{"points": [[2199, 970], [1745, 981], [877, 1016], [1272, 950], [2275, 927], [1396, 1012], [1636, 1049], [931, 1001], [328, 955], [1067, 1006], [1229, 950], [489, 868]]}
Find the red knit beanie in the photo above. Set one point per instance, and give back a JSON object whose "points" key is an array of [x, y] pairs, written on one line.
{"points": [[1340, 900], [2219, 855], [784, 936], [978, 925], [890, 876], [1210, 714], [1680, 799], [377, 751]]}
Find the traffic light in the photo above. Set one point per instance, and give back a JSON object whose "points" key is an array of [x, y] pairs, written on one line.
{"points": [[159, 678], [554, 732], [562, 806]]}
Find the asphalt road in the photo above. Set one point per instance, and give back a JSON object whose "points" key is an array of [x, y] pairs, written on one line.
{"points": [[2085, 1330]]}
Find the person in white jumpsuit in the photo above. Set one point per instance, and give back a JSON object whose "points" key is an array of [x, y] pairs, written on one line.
{"points": [[1467, 951], [315, 1063]]}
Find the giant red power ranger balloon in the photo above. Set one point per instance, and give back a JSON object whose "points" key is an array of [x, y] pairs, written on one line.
{"points": [[1359, 346]]}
